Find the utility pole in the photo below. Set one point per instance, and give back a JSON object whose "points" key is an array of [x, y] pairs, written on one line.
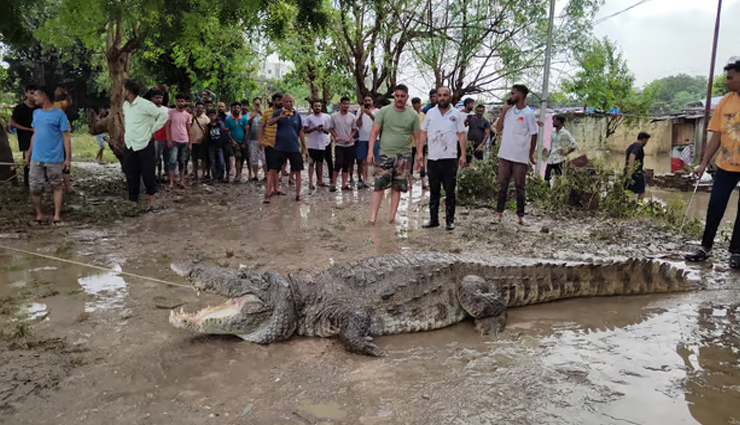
{"points": [[708, 106], [545, 89]]}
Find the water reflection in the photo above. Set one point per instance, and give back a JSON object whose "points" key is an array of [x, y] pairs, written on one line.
{"points": [[108, 288]]}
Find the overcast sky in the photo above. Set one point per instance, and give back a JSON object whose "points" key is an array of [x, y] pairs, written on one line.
{"points": [[667, 37]]}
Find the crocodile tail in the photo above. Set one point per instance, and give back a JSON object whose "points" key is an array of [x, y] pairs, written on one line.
{"points": [[541, 283]]}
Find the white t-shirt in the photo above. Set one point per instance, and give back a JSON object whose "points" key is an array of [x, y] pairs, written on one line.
{"points": [[442, 130], [519, 127], [318, 139], [367, 124]]}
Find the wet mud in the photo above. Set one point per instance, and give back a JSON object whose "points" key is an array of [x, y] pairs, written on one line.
{"points": [[649, 359]]}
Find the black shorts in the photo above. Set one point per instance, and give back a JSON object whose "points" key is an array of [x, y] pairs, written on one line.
{"points": [[638, 186], [271, 158], [344, 157], [317, 155], [295, 159], [199, 152]]}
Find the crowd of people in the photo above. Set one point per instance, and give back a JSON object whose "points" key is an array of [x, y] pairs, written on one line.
{"points": [[434, 140]]}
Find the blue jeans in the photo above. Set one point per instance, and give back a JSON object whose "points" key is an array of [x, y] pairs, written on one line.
{"points": [[178, 157], [216, 158]]}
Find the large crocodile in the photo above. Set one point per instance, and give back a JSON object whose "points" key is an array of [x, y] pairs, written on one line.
{"points": [[403, 293]]}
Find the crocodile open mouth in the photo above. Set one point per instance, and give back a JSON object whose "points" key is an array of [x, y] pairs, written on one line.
{"points": [[227, 310]]}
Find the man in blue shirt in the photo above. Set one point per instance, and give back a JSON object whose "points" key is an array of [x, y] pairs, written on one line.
{"points": [[432, 101], [238, 127], [287, 147], [49, 154]]}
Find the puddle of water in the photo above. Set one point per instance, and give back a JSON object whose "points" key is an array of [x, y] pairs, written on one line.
{"points": [[698, 207], [34, 311], [330, 410], [109, 289]]}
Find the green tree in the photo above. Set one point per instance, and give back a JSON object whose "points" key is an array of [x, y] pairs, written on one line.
{"points": [[675, 91], [474, 46], [718, 87], [604, 82]]}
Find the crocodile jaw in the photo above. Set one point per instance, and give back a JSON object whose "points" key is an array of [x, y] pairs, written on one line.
{"points": [[235, 316]]}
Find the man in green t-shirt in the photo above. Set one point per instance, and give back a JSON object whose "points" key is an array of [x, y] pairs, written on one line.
{"points": [[401, 131]]}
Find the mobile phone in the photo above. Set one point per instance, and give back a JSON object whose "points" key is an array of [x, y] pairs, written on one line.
{"points": [[367, 106], [510, 101]]}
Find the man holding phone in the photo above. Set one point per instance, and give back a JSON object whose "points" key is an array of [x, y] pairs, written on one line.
{"points": [[317, 127], [518, 142]]}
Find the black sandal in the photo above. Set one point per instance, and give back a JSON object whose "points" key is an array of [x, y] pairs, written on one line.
{"points": [[698, 256], [735, 261]]}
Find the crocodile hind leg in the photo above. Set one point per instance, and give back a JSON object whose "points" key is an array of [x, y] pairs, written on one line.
{"points": [[483, 301], [354, 332]]}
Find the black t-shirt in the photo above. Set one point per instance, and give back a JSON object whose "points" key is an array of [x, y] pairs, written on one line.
{"points": [[639, 151], [23, 115], [214, 134], [477, 129]]}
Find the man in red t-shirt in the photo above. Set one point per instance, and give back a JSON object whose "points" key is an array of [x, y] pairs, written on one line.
{"points": [[160, 139]]}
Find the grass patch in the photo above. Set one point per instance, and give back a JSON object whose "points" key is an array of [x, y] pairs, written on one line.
{"points": [[84, 148]]}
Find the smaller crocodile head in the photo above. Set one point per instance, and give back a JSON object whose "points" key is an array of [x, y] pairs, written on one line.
{"points": [[237, 316]]}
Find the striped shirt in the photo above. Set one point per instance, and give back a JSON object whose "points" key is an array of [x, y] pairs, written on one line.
{"points": [[268, 139]]}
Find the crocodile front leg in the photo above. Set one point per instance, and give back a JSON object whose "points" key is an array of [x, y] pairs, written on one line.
{"points": [[483, 301], [354, 332]]}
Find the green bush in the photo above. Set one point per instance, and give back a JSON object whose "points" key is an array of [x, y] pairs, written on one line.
{"points": [[477, 184]]}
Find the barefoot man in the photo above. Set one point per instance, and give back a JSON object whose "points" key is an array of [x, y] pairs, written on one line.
{"points": [[401, 130]]}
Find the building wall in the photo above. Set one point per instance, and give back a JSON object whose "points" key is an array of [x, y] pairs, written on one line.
{"points": [[590, 133]]}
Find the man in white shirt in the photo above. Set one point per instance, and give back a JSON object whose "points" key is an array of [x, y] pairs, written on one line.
{"points": [[562, 143], [444, 131], [518, 142], [365, 120], [317, 127]]}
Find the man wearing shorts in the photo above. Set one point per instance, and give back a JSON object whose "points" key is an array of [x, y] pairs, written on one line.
{"points": [[365, 120], [343, 129], [256, 155], [178, 134], [21, 120], [267, 143], [317, 127], [198, 149], [238, 127], [401, 130], [287, 146], [49, 153]]}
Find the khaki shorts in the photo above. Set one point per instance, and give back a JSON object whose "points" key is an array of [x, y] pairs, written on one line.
{"points": [[392, 172], [41, 172]]}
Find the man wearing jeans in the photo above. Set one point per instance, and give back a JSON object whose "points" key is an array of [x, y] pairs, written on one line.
{"points": [[725, 125], [519, 139], [444, 131], [178, 131], [49, 153], [141, 119]]}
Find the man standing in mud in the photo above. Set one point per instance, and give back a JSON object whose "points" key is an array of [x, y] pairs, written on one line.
{"points": [[518, 142], [634, 160], [444, 132], [21, 120], [141, 119], [562, 144], [267, 143], [49, 153], [725, 126], [178, 135], [401, 129], [343, 129], [290, 142], [479, 129], [365, 118]]}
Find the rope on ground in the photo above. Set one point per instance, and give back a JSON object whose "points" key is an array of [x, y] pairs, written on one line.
{"points": [[12, 163], [105, 269]]}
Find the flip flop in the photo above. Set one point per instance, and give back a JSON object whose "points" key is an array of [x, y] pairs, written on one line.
{"points": [[58, 223], [38, 223]]}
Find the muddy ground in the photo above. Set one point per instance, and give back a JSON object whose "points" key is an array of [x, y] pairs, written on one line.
{"points": [[84, 346]]}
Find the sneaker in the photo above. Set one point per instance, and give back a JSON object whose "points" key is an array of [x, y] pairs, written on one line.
{"points": [[450, 226], [735, 261], [697, 256], [430, 224]]}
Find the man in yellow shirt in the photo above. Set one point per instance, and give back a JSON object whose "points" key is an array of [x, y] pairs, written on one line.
{"points": [[725, 125], [267, 143]]}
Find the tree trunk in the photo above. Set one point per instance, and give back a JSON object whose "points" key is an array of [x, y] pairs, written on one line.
{"points": [[118, 59], [7, 172]]}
